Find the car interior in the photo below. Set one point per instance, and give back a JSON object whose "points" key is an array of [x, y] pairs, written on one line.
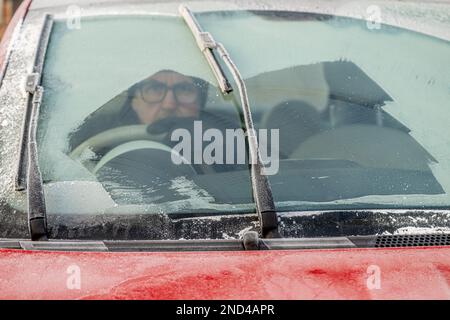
{"points": [[335, 142]]}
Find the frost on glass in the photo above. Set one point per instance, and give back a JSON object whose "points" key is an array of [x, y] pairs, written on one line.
{"points": [[85, 71], [86, 68], [412, 69]]}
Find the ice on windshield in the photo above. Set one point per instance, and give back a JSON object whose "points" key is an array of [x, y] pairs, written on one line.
{"points": [[362, 119]]}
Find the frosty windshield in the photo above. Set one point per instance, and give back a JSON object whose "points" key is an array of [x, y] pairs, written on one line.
{"points": [[348, 117]]}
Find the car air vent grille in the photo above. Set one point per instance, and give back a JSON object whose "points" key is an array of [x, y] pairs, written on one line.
{"points": [[413, 240]]}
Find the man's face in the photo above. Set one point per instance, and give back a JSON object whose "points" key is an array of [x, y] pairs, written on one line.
{"points": [[166, 94]]}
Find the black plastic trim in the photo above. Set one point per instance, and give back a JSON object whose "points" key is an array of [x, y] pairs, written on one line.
{"points": [[10, 244], [415, 240], [175, 245], [63, 245]]}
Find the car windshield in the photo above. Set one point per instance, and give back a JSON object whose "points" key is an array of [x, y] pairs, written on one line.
{"points": [[347, 116]]}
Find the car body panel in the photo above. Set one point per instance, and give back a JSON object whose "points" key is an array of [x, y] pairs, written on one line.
{"points": [[406, 273], [412, 273]]}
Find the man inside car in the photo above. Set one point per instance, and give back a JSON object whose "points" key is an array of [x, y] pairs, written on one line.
{"points": [[164, 95]]}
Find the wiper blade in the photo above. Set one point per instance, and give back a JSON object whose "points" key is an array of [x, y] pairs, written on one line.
{"points": [[262, 191], [37, 218], [206, 45], [37, 214]]}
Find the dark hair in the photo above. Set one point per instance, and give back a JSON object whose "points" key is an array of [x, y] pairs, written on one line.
{"points": [[128, 116]]}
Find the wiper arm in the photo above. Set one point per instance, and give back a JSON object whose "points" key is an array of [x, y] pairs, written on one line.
{"points": [[262, 191], [37, 213], [206, 45], [37, 217]]}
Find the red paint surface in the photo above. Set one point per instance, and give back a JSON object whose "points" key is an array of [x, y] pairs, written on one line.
{"points": [[407, 273], [6, 38]]}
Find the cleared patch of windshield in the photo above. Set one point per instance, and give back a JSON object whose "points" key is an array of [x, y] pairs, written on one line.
{"points": [[353, 117]]}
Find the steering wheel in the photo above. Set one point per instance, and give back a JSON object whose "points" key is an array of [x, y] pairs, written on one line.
{"points": [[114, 137], [155, 135], [126, 139]]}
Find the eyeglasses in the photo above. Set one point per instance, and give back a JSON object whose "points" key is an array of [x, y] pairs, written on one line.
{"points": [[153, 91]]}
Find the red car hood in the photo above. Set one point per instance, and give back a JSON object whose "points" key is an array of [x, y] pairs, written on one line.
{"points": [[411, 273]]}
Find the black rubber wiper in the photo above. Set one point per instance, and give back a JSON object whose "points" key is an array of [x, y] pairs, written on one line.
{"points": [[37, 217], [262, 191], [37, 214]]}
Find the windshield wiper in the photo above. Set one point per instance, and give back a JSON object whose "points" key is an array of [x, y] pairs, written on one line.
{"points": [[37, 220], [262, 191], [37, 212]]}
